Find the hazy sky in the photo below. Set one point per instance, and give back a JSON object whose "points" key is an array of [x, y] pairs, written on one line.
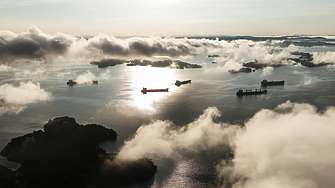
{"points": [[170, 17]]}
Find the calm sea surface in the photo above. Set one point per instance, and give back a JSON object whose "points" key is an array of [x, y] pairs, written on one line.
{"points": [[116, 102]]}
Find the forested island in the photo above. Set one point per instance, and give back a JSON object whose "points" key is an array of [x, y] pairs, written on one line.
{"points": [[67, 154], [168, 63]]}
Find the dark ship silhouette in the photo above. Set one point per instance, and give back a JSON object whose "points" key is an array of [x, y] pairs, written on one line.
{"points": [[71, 82], [178, 83], [272, 83], [240, 92], [145, 90]]}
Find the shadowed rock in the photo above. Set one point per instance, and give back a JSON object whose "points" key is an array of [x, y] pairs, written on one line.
{"points": [[107, 62], [66, 154], [7, 177]]}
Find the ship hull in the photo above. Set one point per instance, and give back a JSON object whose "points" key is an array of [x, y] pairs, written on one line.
{"points": [[256, 92], [272, 83], [178, 83], [154, 90]]}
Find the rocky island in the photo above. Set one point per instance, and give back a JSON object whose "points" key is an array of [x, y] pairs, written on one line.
{"points": [[306, 59], [258, 65], [67, 154], [163, 63], [107, 63]]}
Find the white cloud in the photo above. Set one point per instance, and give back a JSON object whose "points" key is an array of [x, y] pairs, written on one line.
{"points": [[33, 45], [88, 77], [291, 146], [163, 140], [152, 46], [29, 73], [5, 68], [325, 57], [15, 99], [267, 71], [248, 51], [230, 65], [66, 74]]}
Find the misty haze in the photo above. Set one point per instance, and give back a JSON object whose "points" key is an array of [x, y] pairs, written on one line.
{"points": [[180, 94]]}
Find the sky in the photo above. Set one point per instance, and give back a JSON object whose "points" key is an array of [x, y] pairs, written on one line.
{"points": [[170, 17]]}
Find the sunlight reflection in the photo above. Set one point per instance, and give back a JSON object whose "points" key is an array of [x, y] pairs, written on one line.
{"points": [[151, 78], [189, 174]]}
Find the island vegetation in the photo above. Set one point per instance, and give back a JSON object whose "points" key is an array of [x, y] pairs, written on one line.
{"points": [[107, 62], [169, 63], [67, 154], [305, 59]]}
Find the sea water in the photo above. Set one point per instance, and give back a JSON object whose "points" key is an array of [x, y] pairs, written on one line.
{"points": [[117, 102]]}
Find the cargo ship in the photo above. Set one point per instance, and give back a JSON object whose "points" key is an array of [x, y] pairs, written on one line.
{"points": [[272, 83], [145, 90], [240, 92], [178, 83], [71, 82]]}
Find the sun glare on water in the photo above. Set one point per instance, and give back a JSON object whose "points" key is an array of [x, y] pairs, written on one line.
{"points": [[150, 78]]}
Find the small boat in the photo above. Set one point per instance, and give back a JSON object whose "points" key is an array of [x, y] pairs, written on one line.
{"points": [[272, 83], [178, 83], [240, 92], [145, 90]]}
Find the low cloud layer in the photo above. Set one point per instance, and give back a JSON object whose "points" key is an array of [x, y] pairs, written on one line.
{"points": [[257, 55], [151, 46], [290, 146], [88, 77], [230, 65], [267, 71], [248, 52], [15, 99], [34, 45], [4, 68], [161, 139], [326, 57]]}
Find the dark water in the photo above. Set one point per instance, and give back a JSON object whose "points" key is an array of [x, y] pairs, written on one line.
{"points": [[116, 102]]}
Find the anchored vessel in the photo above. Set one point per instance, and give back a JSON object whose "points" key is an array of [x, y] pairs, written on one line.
{"points": [[145, 90], [271, 83], [240, 92], [71, 82], [178, 83]]}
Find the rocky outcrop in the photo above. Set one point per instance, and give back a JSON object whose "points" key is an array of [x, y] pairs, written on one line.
{"points": [[168, 63], [67, 154]]}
